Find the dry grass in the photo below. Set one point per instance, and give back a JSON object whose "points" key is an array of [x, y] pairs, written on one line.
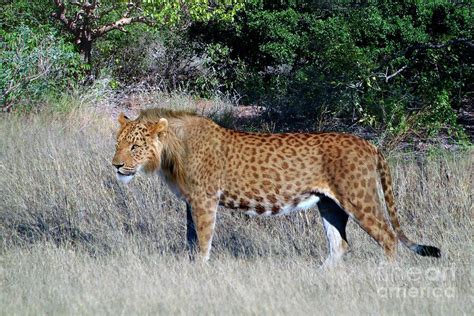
{"points": [[74, 241]]}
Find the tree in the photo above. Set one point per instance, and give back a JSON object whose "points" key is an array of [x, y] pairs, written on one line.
{"points": [[85, 24], [92, 19]]}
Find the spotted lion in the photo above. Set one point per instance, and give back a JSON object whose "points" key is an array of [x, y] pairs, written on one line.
{"points": [[207, 165]]}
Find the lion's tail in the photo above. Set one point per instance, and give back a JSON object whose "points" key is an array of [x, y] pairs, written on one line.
{"points": [[386, 180]]}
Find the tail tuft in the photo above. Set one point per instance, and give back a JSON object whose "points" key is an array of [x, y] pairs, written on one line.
{"points": [[427, 251]]}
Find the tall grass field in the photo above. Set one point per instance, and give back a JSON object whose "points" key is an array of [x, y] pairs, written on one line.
{"points": [[75, 241]]}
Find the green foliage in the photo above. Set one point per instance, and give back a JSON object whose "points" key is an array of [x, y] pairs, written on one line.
{"points": [[89, 21], [32, 13], [171, 12], [404, 66], [217, 66], [35, 64], [36, 61]]}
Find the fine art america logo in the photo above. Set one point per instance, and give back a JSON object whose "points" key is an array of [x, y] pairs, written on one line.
{"points": [[416, 282]]}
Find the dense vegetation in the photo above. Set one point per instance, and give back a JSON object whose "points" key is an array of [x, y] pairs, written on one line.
{"points": [[403, 67]]}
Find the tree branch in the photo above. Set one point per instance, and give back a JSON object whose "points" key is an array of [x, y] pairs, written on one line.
{"points": [[119, 25], [88, 14], [408, 52], [387, 78], [61, 16]]}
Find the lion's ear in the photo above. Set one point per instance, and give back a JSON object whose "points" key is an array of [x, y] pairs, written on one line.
{"points": [[159, 127], [122, 119]]}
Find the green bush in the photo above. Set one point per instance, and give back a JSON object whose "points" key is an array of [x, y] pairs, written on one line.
{"points": [[36, 61], [35, 64], [385, 65], [403, 67]]}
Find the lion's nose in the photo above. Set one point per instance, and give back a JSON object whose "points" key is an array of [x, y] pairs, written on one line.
{"points": [[117, 165]]}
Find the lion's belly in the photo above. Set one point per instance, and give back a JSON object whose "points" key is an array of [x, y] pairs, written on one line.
{"points": [[286, 209], [272, 207]]}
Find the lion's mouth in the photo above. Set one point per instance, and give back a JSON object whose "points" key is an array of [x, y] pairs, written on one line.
{"points": [[128, 174], [125, 177]]}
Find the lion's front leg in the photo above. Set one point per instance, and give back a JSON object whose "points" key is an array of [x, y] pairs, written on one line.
{"points": [[204, 217]]}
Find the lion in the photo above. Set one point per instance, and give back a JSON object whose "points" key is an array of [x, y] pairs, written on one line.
{"points": [[261, 174]]}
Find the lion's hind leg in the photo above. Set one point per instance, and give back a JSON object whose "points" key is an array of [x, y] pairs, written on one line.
{"points": [[367, 212], [334, 221]]}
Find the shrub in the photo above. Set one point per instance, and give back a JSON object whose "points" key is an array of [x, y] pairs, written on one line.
{"points": [[35, 64], [379, 65], [158, 59]]}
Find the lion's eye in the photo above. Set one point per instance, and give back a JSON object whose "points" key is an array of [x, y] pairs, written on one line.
{"points": [[135, 146]]}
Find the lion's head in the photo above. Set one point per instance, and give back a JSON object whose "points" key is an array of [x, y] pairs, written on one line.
{"points": [[138, 147]]}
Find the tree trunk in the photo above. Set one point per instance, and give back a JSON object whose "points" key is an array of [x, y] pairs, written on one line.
{"points": [[85, 47]]}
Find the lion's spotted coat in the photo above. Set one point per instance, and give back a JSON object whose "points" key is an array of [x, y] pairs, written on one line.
{"points": [[264, 174]]}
